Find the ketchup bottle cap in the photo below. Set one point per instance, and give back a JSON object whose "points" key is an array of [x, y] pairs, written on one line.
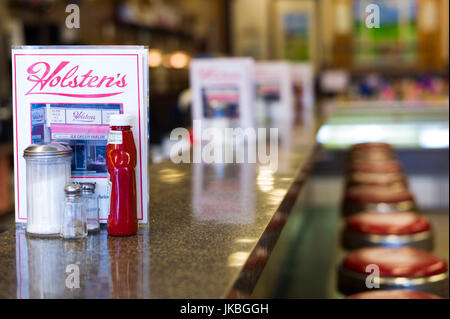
{"points": [[121, 120]]}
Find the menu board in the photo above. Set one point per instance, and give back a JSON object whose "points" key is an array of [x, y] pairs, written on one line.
{"points": [[294, 23], [394, 42], [296, 32], [222, 92], [67, 94], [275, 90]]}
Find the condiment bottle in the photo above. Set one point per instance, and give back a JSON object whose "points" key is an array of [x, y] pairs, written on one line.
{"points": [[121, 160], [48, 172], [74, 221], [91, 203]]}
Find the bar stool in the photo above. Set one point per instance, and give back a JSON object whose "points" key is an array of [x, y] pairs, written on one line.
{"points": [[399, 268], [378, 167], [380, 199], [372, 156], [371, 146], [393, 294], [371, 152], [397, 229]]}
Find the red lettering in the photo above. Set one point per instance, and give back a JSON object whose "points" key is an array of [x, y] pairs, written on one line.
{"points": [[42, 75], [91, 81], [68, 75]]}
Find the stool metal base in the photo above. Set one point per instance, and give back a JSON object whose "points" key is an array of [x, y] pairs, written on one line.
{"points": [[351, 282], [354, 240], [349, 208]]}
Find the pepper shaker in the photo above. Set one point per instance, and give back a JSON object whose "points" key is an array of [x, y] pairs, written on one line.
{"points": [[74, 220], [91, 203]]}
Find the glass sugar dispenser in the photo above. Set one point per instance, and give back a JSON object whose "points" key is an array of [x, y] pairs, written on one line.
{"points": [[74, 220], [47, 173]]}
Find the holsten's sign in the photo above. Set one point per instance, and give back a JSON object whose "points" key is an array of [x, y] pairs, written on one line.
{"points": [[68, 94], [66, 76]]}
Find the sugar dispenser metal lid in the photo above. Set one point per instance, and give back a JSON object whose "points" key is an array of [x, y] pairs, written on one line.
{"points": [[47, 151]]}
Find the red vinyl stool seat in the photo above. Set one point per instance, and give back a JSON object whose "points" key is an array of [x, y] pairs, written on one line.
{"points": [[393, 294], [398, 229], [377, 199], [399, 268]]}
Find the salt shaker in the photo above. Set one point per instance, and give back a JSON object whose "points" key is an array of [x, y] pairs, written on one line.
{"points": [[91, 203], [74, 221], [48, 171]]}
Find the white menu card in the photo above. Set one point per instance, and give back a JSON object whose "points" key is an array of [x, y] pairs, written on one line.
{"points": [[67, 94]]}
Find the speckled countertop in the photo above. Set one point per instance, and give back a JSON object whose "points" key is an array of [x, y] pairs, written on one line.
{"points": [[212, 228]]}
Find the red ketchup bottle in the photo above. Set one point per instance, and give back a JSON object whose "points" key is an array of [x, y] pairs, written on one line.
{"points": [[121, 160]]}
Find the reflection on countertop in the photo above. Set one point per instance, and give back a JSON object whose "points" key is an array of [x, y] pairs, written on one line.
{"points": [[212, 228], [99, 266]]}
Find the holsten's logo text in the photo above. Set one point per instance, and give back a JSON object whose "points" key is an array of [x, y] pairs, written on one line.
{"points": [[83, 117], [86, 116], [66, 77], [218, 75]]}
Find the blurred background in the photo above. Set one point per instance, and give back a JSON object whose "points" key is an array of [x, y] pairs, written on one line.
{"points": [[404, 61], [389, 82]]}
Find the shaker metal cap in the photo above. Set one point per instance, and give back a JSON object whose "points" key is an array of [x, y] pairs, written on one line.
{"points": [[47, 150], [87, 188], [72, 190]]}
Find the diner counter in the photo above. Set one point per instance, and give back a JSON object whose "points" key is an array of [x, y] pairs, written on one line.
{"points": [[212, 228]]}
